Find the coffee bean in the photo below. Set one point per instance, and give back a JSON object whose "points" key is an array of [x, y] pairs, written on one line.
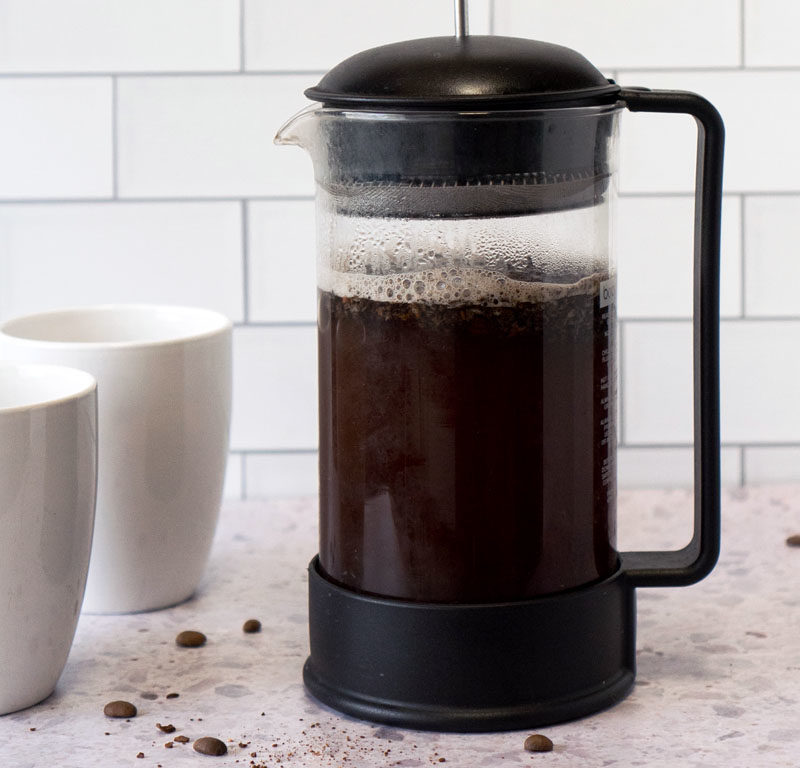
{"points": [[149, 695], [119, 709], [190, 639], [141, 754], [182, 739], [538, 743], [208, 745], [251, 625], [168, 745], [793, 540], [169, 728], [172, 695]]}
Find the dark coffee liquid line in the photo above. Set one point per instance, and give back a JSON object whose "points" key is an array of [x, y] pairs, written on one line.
{"points": [[467, 453]]}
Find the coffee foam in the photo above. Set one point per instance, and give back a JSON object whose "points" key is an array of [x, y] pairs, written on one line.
{"points": [[453, 287]]}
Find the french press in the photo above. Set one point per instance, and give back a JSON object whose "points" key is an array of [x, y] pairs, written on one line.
{"points": [[467, 576]]}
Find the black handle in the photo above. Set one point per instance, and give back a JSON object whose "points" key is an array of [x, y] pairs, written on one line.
{"points": [[696, 559]]}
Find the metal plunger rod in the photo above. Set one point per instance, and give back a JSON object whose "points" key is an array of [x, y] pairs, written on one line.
{"points": [[461, 18]]}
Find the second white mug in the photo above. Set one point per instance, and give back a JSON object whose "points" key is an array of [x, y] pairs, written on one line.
{"points": [[164, 405], [48, 464]]}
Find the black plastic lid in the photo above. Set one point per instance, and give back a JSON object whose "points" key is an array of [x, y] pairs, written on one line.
{"points": [[473, 72], [475, 126]]}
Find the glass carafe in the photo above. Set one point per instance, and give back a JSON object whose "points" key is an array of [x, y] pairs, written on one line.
{"points": [[467, 359]]}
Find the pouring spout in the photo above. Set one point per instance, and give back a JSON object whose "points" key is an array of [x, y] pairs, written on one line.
{"points": [[300, 129]]}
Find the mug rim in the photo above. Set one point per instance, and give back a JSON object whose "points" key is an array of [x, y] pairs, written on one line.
{"points": [[206, 323], [82, 384]]}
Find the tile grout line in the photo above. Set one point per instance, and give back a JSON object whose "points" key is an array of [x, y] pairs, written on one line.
{"points": [[734, 319], [114, 141], [742, 467], [274, 451], [272, 324], [655, 194], [241, 36], [626, 446], [310, 197], [235, 71], [688, 446], [742, 40], [178, 73], [620, 381], [742, 258], [144, 199], [705, 69], [245, 261]]}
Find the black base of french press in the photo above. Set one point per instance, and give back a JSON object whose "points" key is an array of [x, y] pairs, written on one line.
{"points": [[471, 668]]}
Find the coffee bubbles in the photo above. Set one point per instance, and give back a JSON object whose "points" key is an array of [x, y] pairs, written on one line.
{"points": [[456, 286]]}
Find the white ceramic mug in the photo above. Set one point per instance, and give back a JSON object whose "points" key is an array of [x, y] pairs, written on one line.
{"points": [[48, 470], [164, 399]]}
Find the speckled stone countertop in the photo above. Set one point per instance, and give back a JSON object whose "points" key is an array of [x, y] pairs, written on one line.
{"points": [[718, 663]]}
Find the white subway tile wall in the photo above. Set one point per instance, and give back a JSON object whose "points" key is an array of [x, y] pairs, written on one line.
{"points": [[119, 35], [670, 467], [655, 273], [771, 464], [56, 137], [280, 474], [772, 237], [137, 164], [760, 381], [274, 388], [311, 35], [761, 112], [656, 383], [615, 34], [281, 253], [91, 253], [209, 136], [770, 38]]}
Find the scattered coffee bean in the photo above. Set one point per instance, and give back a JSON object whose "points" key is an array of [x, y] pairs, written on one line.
{"points": [[31, 729], [172, 695], [793, 540], [168, 728], [119, 709], [538, 743], [168, 745], [140, 754], [208, 745], [251, 625], [190, 639], [182, 739], [149, 695]]}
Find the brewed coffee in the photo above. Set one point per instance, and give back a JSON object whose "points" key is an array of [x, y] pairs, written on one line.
{"points": [[467, 442]]}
